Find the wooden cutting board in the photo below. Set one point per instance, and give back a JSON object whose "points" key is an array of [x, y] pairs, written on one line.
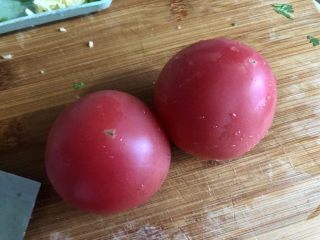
{"points": [[272, 192]]}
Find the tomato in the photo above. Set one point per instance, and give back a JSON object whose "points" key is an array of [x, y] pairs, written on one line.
{"points": [[216, 98], [107, 153]]}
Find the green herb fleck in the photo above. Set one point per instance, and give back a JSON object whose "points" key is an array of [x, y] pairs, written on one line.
{"points": [[284, 9], [3, 19], [78, 85], [315, 41], [233, 24]]}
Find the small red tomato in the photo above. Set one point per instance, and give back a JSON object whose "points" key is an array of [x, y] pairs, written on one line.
{"points": [[107, 153], [216, 98]]}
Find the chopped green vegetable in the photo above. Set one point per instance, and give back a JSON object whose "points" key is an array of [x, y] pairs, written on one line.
{"points": [[284, 9], [78, 85], [3, 19], [315, 41]]}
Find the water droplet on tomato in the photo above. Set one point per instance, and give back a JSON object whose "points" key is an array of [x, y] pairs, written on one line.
{"points": [[252, 61], [237, 133], [234, 49], [142, 188]]}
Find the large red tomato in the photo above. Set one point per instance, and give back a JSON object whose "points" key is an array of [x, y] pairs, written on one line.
{"points": [[216, 98], [107, 153]]}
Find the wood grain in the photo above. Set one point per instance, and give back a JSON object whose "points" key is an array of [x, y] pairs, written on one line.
{"points": [[271, 193]]}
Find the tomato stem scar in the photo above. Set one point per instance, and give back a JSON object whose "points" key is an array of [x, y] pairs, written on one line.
{"points": [[110, 132]]}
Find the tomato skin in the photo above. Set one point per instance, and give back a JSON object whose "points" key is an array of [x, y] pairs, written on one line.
{"points": [[107, 153], [216, 98]]}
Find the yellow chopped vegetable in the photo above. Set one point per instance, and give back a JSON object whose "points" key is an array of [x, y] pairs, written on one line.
{"points": [[49, 5]]}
